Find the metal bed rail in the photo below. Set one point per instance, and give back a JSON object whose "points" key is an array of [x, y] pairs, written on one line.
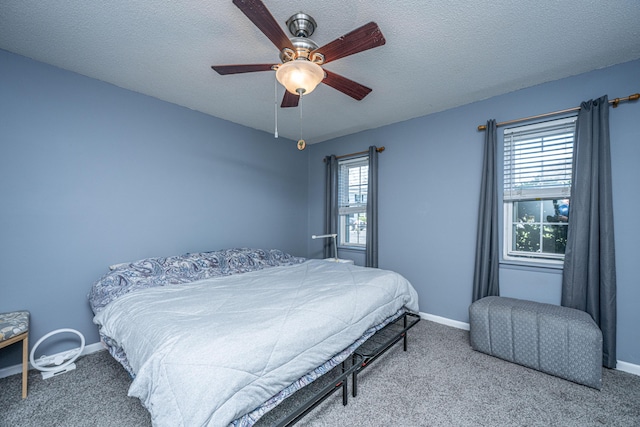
{"points": [[326, 385], [303, 401], [382, 341]]}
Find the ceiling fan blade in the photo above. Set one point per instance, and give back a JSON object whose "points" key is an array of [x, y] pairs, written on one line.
{"points": [[258, 13], [346, 86], [366, 37], [289, 100], [243, 68]]}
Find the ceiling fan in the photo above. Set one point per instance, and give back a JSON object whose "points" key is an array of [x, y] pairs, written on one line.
{"points": [[300, 70]]}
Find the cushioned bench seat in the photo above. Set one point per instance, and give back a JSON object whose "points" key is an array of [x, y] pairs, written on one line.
{"points": [[14, 327], [557, 340]]}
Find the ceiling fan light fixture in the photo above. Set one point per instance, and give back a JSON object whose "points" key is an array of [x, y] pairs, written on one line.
{"points": [[300, 76]]}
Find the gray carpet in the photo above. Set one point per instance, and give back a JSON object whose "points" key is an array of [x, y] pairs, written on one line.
{"points": [[440, 381]]}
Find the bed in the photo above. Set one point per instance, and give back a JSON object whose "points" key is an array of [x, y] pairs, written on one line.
{"points": [[220, 338]]}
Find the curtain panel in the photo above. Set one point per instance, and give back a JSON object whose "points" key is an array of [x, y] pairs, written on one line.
{"points": [[485, 276], [589, 276], [371, 253], [331, 204]]}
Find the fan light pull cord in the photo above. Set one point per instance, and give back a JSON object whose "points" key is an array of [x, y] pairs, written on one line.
{"points": [[301, 142], [275, 104]]}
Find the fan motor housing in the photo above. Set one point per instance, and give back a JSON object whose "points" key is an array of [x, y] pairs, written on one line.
{"points": [[301, 25]]}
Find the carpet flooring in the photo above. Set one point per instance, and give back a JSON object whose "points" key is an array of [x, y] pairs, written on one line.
{"points": [[439, 381]]}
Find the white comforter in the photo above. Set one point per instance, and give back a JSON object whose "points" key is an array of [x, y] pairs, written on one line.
{"points": [[207, 352]]}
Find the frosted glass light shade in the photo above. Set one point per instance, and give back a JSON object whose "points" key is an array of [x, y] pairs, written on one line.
{"points": [[300, 75]]}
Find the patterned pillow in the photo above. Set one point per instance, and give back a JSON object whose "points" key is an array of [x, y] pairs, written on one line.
{"points": [[150, 272]]}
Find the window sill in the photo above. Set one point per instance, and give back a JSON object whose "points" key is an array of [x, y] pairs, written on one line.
{"points": [[352, 248], [547, 267]]}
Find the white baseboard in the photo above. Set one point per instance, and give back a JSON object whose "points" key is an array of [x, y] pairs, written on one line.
{"points": [[17, 369], [628, 367], [620, 365], [445, 321], [92, 348]]}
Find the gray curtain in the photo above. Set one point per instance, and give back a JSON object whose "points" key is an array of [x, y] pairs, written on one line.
{"points": [[589, 277], [331, 203], [371, 253], [485, 276]]}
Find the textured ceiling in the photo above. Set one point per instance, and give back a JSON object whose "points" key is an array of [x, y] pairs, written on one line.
{"points": [[439, 54]]}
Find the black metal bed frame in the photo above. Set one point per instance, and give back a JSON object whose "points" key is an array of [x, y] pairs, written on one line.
{"points": [[382, 341], [318, 391]]}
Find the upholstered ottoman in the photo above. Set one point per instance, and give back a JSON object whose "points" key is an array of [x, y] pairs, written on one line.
{"points": [[557, 340]]}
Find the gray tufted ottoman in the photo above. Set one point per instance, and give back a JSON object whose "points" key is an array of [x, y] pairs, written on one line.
{"points": [[560, 341]]}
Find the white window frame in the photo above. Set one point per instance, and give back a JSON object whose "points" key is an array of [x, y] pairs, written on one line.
{"points": [[542, 189], [350, 207], [550, 259]]}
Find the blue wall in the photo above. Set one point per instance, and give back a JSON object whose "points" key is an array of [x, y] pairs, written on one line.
{"points": [[91, 175], [429, 194]]}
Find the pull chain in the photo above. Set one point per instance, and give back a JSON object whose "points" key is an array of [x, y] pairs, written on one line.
{"points": [[301, 142], [275, 104]]}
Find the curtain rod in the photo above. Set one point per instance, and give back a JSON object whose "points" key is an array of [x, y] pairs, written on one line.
{"points": [[613, 102], [379, 150]]}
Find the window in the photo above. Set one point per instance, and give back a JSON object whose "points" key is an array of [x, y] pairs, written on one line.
{"points": [[353, 179], [537, 185]]}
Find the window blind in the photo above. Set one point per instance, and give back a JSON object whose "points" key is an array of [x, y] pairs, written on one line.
{"points": [[538, 160]]}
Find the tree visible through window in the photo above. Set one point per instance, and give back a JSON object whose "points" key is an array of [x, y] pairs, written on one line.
{"points": [[353, 180], [539, 226], [537, 184]]}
